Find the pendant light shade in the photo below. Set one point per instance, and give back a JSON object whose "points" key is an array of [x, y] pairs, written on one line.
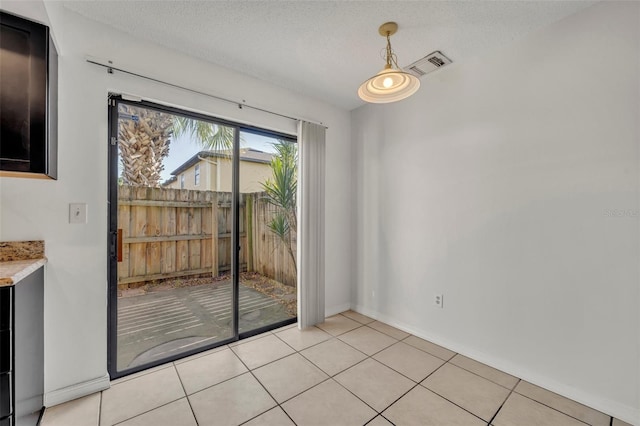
{"points": [[388, 85], [391, 84]]}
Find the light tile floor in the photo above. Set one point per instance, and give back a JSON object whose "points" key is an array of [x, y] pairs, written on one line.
{"points": [[350, 370]]}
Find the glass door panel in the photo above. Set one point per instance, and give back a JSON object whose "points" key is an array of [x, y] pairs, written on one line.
{"points": [[173, 293], [267, 220]]}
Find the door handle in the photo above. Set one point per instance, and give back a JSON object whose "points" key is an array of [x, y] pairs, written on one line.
{"points": [[119, 248], [116, 245]]}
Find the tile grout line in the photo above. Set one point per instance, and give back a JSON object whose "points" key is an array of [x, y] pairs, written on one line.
{"points": [[145, 412], [250, 371], [326, 372], [100, 409], [398, 399], [344, 332], [420, 349], [137, 375], [310, 346], [403, 375], [218, 383], [387, 334], [352, 319], [348, 390], [482, 377], [359, 350], [265, 364], [503, 402], [283, 341], [385, 417], [200, 354], [159, 406], [442, 396], [555, 409], [451, 402], [186, 395]]}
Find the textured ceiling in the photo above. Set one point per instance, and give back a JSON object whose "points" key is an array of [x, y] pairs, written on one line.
{"points": [[325, 49]]}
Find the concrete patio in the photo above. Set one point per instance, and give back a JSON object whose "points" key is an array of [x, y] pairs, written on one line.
{"points": [[163, 323]]}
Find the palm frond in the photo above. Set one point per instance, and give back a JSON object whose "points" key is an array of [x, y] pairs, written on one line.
{"points": [[281, 189], [279, 225], [211, 136]]}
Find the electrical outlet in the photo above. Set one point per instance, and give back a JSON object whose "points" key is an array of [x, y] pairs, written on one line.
{"points": [[438, 300], [77, 213]]}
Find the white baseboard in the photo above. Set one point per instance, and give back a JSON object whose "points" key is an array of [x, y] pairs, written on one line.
{"points": [[78, 390], [622, 412], [336, 309]]}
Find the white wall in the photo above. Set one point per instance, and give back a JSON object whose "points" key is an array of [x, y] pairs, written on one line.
{"points": [[493, 185], [76, 275]]}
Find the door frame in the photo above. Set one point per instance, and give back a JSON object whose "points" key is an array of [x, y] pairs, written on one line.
{"points": [[114, 100]]}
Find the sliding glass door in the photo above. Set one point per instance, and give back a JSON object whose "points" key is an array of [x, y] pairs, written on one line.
{"points": [[202, 250]]}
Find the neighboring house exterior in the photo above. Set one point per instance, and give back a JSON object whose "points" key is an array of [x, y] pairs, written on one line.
{"points": [[211, 171]]}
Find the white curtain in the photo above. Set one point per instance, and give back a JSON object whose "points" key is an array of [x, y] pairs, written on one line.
{"points": [[311, 145]]}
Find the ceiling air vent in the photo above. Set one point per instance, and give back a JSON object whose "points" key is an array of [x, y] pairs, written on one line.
{"points": [[428, 64]]}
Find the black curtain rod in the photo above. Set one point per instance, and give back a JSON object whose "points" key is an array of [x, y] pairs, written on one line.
{"points": [[110, 69]]}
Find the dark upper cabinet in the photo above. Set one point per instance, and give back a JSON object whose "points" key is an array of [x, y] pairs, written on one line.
{"points": [[28, 98]]}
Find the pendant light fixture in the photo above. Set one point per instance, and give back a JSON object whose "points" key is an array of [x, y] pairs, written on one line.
{"points": [[391, 84]]}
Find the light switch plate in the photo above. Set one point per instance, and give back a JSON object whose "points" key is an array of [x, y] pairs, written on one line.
{"points": [[77, 213]]}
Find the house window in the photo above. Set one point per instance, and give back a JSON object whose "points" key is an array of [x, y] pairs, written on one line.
{"points": [[182, 181], [197, 175]]}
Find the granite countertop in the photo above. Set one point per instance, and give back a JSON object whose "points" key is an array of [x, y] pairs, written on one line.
{"points": [[14, 271], [18, 259]]}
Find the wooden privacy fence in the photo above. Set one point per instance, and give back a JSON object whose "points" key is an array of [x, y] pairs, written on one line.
{"points": [[173, 233]]}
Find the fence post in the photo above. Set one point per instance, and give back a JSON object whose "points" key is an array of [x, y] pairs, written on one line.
{"points": [[249, 230], [214, 234]]}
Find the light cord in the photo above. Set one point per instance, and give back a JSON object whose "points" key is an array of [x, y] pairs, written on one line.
{"points": [[390, 56]]}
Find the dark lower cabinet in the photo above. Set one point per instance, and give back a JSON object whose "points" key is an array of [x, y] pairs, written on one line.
{"points": [[6, 308], [6, 354], [6, 341], [22, 350], [6, 404], [6, 422]]}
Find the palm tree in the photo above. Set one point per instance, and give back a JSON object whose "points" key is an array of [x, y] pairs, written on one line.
{"points": [[280, 191], [144, 136], [143, 140]]}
